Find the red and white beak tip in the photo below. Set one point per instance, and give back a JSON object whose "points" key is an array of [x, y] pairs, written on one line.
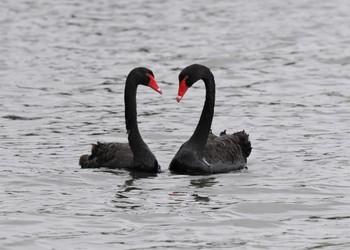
{"points": [[159, 91], [179, 98]]}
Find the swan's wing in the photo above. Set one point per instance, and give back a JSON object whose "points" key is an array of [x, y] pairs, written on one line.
{"points": [[228, 149], [212, 136], [110, 155]]}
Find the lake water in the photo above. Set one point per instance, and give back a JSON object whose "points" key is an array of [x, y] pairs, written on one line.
{"points": [[282, 70]]}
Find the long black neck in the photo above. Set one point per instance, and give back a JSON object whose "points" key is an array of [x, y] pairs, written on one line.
{"points": [[201, 133], [138, 147]]}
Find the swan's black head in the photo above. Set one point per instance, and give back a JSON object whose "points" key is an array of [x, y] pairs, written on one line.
{"points": [[189, 76], [144, 76]]}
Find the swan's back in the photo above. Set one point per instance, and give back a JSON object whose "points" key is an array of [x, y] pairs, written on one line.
{"points": [[109, 155], [228, 149]]}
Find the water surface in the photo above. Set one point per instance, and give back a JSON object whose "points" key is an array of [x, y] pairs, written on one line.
{"points": [[282, 74]]}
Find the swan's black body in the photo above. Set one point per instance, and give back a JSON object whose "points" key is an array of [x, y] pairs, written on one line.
{"points": [[205, 153], [134, 155]]}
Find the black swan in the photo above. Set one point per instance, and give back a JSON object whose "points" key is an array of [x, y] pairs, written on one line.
{"points": [[134, 155], [205, 153]]}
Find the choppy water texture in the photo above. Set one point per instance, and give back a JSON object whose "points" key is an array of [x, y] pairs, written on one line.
{"points": [[282, 70]]}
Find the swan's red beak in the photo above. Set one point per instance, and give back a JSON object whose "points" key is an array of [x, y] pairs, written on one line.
{"points": [[153, 84], [182, 89]]}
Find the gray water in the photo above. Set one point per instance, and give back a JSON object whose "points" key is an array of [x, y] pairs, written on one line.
{"points": [[282, 70]]}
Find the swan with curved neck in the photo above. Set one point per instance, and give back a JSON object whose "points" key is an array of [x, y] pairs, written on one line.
{"points": [[218, 154], [134, 155]]}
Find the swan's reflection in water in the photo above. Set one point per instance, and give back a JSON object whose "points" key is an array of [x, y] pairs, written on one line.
{"points": [[125, 197], [200, 198], [134, 192], [197, 183], [203, 182]]}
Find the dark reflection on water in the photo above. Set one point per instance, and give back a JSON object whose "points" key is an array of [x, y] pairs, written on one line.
{"points": [[134, 175], [282, 74], [199, 198], [122, 198], [204, 182]]}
